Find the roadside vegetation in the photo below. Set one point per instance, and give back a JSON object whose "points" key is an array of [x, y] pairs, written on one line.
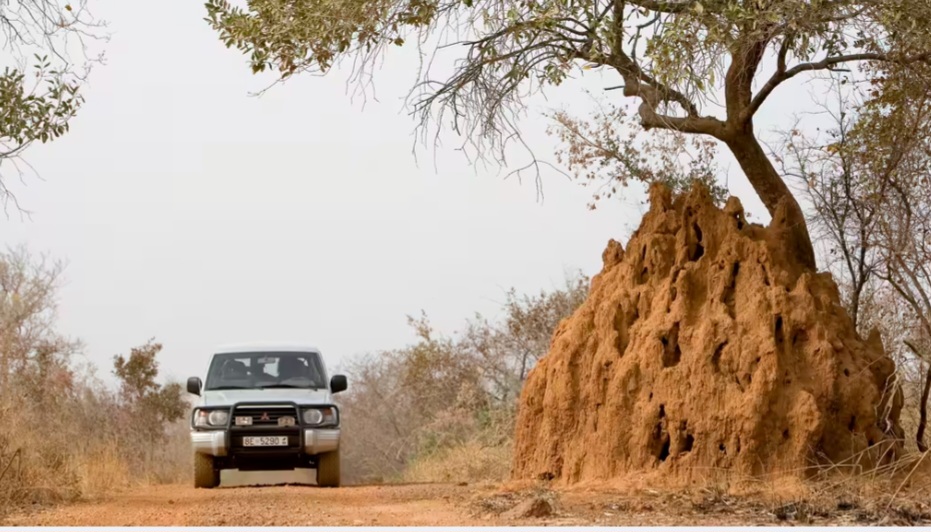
{"points": [[442, 409], [65, 433]]}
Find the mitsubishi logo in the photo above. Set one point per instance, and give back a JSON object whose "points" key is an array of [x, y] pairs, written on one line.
{"points": [[264, 417]]}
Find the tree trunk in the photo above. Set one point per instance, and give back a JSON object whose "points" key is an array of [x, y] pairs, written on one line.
{"points": [[772, 190]]}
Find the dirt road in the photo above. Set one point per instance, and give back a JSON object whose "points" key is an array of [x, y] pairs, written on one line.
{"points": [[261, 506], [239, 502]]}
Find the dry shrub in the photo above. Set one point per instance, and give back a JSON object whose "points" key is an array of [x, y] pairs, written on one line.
{"points": [[100, 470], [443, 408], [464, 443], [471, 461], [65, 434], [171, 462], [77, 448]]}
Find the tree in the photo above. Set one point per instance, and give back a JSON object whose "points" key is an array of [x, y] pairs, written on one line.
{"points": [[868, 183], [399, 393], [39, 91], [673, 56], [904, 222], [151, 406], [34, 358]]}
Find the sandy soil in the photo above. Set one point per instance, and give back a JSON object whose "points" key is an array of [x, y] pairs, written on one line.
{"points": [[242, 500]]}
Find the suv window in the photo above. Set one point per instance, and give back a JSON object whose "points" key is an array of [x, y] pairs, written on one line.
{"points": [[265, 370]]}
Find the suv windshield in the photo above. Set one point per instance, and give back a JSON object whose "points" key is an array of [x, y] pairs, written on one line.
{"points": [[265, 370]]}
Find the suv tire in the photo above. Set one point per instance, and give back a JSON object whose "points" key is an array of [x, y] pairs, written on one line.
{"points": [[206, 475], [328, 470]]}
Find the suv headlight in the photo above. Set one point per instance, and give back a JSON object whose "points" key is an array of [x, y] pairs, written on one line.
{"points": [[211, 418], [320, 416]]}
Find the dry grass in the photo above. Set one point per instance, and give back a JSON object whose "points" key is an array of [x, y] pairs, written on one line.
{"points": [[100, 471], [73, 449], [893, 496], [470, 462]]}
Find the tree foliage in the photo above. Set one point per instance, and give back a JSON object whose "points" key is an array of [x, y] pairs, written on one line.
{"points": [[150, 405], [611, 149], [676, 57], [48, 57]]}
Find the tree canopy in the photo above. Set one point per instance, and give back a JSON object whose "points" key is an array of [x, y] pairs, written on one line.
{"points": [[47, 52], [678, 58]]}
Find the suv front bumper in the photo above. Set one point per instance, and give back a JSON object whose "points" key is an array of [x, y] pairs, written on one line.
{"points": [[217, 442]]}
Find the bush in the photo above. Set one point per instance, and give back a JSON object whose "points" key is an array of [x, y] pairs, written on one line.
{"points": [[65, 435], [443, 408]]}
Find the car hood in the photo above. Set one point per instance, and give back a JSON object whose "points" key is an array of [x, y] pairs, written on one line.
{"points": [[301, 397]]}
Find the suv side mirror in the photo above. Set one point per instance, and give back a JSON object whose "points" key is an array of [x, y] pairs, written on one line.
{"points": [[194, 385], [338, 383]]}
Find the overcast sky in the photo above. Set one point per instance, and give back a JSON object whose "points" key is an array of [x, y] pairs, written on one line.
{"points": [[193, 213]]}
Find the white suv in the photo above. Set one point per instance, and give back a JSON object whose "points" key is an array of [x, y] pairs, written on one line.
{"points": [[266, 408]]}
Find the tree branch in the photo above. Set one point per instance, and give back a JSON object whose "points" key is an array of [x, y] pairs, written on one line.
{"points": [[635, 77], [783, 52], [653, 93], [782, 74], [650, 119], [738, 81], [664, 6]]}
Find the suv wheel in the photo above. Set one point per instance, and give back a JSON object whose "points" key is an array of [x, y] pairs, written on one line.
{"points": [[206, 475], [328, 470]]}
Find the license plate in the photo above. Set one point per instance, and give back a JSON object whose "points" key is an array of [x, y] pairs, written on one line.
{"points": [[265, 441]]}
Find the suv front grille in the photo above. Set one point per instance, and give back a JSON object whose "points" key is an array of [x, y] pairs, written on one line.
{"points": [[265, 416]]}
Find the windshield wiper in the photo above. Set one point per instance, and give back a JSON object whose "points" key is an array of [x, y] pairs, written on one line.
{"points": [[290, 386], [228, 388]]}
